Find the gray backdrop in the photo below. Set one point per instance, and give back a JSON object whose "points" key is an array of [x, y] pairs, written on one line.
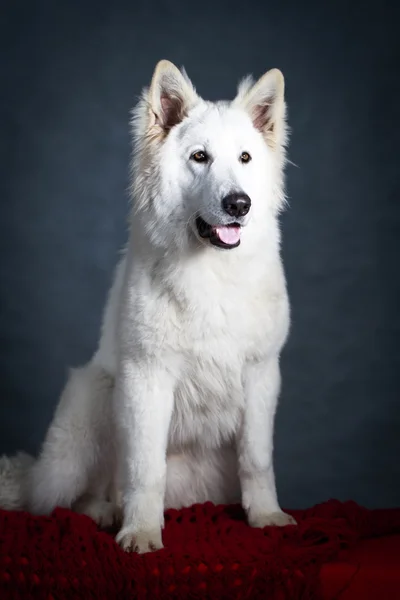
{"points": [[70, 73]]}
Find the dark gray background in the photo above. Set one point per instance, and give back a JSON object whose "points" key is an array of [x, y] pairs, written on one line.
{"points": [[70, 72]]}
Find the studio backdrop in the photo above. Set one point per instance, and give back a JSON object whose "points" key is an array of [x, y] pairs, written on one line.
{"points": [[70, 73]]}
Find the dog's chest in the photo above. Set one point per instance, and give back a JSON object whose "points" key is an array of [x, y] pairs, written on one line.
{"points": [[236, 316], [216, 337], [211, 325]]}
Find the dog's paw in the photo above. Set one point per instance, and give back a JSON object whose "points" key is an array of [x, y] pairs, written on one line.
{"points": [[140, 541], [273, 519]]}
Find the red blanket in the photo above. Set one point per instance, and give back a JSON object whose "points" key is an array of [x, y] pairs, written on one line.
{"points": [[336, 551]]}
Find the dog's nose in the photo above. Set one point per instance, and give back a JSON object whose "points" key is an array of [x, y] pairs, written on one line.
{"points": [[236, 205]]}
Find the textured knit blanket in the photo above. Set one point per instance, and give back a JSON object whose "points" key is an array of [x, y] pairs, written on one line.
{"points": [[210, 552]]}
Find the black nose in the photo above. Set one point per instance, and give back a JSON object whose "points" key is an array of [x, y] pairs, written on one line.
{"points": [[236, 205]]}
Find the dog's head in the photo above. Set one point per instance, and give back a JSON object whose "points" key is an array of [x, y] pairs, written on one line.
{"points": [[208, 174]]}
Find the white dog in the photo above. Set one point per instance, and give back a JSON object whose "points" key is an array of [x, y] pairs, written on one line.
{"points": [[177, 405]]}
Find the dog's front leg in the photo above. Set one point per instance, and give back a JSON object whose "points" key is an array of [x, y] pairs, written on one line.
{"points": [[255, 446], [143, 407]]}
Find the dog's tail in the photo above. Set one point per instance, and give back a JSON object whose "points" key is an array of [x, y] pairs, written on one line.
{"points": [[13, 474]]}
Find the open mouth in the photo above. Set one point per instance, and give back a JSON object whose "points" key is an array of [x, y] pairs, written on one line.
{"points": [[222, 236]]}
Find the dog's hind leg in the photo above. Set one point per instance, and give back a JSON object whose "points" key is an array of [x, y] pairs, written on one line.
{"points": [[77, 447], [102, 511], [100, 503]]}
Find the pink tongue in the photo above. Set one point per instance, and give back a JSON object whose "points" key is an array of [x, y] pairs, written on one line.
{"points": [[228, 235]]}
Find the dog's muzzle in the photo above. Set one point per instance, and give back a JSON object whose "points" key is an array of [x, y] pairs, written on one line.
{"points": [[237, 206]]}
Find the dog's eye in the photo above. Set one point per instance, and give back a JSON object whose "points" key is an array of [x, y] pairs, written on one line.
{"points": [[200, 156], [245, 157]]}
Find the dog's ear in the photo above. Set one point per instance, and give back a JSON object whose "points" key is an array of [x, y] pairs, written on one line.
{"points": [[265, 103], [171, 95]]}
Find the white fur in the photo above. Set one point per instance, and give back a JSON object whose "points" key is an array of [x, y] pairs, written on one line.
{"points": [[177, 405], [12, 473]]}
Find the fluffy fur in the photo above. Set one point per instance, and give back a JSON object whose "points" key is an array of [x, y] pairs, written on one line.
{"points": [[177, 405]]}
